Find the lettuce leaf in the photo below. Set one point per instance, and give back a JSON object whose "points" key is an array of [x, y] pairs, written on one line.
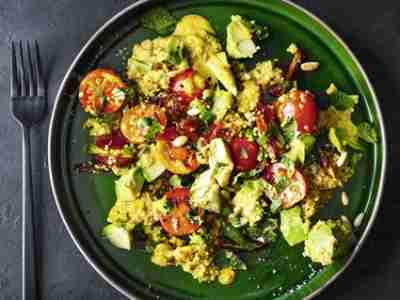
{"points": [[367, 132], [340, 100], [159, 20]]}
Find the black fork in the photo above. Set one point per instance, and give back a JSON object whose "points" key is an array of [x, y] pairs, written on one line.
{"points": [[28, 106]]}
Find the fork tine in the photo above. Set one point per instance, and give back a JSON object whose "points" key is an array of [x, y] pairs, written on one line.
{"points": [[14, 86], [22, 70], [31, 80], [38, 70]]}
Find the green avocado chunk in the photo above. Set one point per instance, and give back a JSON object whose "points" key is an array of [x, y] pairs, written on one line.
{"points": [[239, 43], [152, 168], [223, 101], [220, 161], [118, 236], [293, 229], [205, 192], [246, 202], [129, 186], [219, 67], [327, 240]]}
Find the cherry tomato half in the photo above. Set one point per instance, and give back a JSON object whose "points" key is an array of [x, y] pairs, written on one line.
{"points": [[296, 189], [177, 160], [131, 126], [177, 222], [244, 154], [100, 92], [185, 87], [301, 106]]}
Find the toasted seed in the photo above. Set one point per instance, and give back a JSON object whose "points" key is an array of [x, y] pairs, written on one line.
{"points": [[345, 219], [180, 141], [309, 66], [345, 199], [342, 159], [358, 220]]}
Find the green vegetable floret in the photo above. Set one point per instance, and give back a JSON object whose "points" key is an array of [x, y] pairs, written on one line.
{"points": [[327, 240]]}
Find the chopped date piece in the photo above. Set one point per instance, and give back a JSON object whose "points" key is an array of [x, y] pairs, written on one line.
{"points": [[112, 141]]}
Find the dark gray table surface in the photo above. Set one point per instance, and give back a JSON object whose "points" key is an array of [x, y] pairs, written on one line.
{"points": [[372, 30]]}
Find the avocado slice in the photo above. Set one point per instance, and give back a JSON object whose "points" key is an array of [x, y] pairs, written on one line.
{"points": [[223, 101], [151, 166], [293, 229], [220, 161], [246, 202], [129, 186], [205, 192], [327, 240], [219, 67], [239, 42], [118, 236]]}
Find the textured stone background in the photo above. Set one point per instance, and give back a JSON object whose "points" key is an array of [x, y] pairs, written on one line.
{"points": [[371, 28]]}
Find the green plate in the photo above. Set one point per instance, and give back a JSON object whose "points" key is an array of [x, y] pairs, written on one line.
{"points": [[83, 200]]}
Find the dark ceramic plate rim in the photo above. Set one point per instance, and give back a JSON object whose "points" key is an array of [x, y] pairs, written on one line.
{"points": [[84, 251]]}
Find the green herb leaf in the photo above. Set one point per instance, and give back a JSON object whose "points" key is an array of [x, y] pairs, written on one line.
{"points": [[154, 129], [289, 130], [159, 20], [226, 258], [282, 183], [340, 100], [367, 132]]}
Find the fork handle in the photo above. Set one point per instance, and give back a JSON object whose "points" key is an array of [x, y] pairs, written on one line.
{"points": [[28, 240]]}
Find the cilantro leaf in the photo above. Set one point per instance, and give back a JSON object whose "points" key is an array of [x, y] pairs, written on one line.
{"points": [[340, 100], [159, 20], [367, 132]]}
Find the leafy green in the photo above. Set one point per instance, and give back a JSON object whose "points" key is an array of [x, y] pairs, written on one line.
{"points": [[240, 241], [367, 132], [153, 127], [239, 177], [226, 258], [289, 130], [340, 100], [345, 132], [264, 231], [159, 20], [297, 151], [282, 183]]}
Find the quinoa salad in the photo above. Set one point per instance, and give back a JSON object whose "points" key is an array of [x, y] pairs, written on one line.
{"points": [[215, 158]]}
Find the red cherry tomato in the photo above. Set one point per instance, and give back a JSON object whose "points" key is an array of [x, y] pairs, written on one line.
{"points": [[183, 87], [244, 154], [265, 115], [296, 189], [97, 92], [178, 195], [176, 222], [301, 106]]}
